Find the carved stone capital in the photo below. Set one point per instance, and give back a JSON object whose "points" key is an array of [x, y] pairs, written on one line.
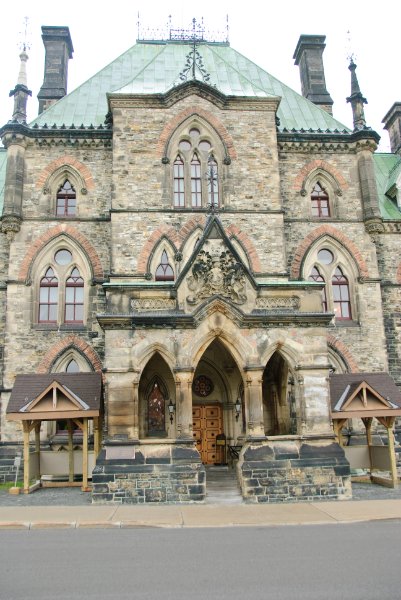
{"points": [[10, 225]]}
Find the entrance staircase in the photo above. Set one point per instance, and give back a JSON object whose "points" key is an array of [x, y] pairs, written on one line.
{"points": [[222, 486]]}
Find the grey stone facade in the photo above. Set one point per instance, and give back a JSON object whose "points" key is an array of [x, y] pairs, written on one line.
{"points": [[240, 311]]}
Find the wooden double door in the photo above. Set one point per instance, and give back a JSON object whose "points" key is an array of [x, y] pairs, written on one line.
{"points": [[207, 425]]}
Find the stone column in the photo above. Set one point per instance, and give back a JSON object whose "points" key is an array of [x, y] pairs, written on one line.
{"points": [[254, 402], [314, 401], [14, 184], [183, 403], [122, 404]]}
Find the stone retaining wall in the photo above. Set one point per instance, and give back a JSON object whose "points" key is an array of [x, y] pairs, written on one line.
{"points": [[149, 475], [293, 471]]}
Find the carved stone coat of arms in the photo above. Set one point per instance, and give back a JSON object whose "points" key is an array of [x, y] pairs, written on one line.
{"points": [[218, 274]]}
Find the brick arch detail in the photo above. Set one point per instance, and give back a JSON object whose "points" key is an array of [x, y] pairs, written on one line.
{"points": [[71, 341], [313, 165], [342, 349], [314, 235], [52, 233], [62, 161], [255, 264], [208, 116]]}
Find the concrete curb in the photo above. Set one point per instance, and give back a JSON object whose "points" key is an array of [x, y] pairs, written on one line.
{"points": [[208, 516]]}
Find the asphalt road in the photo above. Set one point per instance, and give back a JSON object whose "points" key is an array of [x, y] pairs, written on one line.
{"points": [[357, 561]]}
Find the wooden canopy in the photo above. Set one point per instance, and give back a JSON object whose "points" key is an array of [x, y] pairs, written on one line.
{"points": [[366, 396], [74, 397]]}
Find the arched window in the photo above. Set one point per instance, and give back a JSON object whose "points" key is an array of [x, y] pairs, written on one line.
{"points": [[74, 298], [61, 296], [213, 182], [48, 298], [66, 205], [179, 191], [156, 411], [341, 296], [196, 183], [164, 271], [72, 367], [320, 201], [316, 276], [196, 152]]}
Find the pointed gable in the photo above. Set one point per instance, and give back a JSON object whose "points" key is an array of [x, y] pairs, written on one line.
{"points": [[215, 269], [364, 395], [55, 396]]}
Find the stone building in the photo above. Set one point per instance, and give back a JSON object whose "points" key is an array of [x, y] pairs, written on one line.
{"points": [[215, 245]]}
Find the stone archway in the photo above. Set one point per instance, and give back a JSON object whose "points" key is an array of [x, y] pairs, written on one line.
{"points": [[156, 388], [279, 410], [215, 388]]}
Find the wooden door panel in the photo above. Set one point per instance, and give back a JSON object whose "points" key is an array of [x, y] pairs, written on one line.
{"points": [[207, 424]]}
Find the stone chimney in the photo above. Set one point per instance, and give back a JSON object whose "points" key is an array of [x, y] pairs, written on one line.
{"points": [[309, 56], [392, 123], [59, 49]]}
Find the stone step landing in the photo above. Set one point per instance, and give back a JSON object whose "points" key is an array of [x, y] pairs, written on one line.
{"points": [[222, 486]]}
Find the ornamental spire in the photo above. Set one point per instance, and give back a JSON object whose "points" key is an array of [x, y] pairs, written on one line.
{"points": [[356, 99], [21, 91]]}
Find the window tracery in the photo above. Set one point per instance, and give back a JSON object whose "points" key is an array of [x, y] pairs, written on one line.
{"points": [[320, 201], [60, 291], [329, 265], [164, 271], [66, 202], [197, 154]]}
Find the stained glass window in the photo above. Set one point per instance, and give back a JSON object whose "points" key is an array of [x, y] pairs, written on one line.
{"points": [[156, 411]]}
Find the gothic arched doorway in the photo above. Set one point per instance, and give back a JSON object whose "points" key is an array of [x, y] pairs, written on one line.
{"points": [[216, 386], [279, 409], [156, 388]]}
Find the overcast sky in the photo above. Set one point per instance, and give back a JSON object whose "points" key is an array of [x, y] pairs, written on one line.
{"points": [[265, 32]]}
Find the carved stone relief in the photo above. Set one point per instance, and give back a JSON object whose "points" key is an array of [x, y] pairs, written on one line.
{"points": [[216, 273], [278, 303], [149, 304]]}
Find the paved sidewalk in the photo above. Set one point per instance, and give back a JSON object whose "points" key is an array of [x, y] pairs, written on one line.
{"points": [[34, 517], [45, 509]]}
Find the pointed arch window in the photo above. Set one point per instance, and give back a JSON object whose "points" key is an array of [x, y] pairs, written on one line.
{"points": [[213, 182], [179, 182], [48, 298], [320, 201], [156, 411], [72, 367], [316, 276], [341, 296], [66, 205], [164, 271], [74, 298], [196, 182]]}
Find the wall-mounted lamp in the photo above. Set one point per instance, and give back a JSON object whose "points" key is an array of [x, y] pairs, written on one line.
{"points": [[171, 410], [237, 408]]}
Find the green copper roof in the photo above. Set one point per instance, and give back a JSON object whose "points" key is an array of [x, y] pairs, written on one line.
{"points": [[154, 68], [3, 164], [387, 168]]}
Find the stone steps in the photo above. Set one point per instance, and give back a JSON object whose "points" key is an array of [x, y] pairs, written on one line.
{"points": [[222, 486]]}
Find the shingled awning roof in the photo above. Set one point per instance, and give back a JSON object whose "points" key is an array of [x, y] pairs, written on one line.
{"points": [[55, 396], [364, 395]]}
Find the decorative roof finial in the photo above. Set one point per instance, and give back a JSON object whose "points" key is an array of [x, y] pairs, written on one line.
{"points": [[21, 91], [356, 98]]}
